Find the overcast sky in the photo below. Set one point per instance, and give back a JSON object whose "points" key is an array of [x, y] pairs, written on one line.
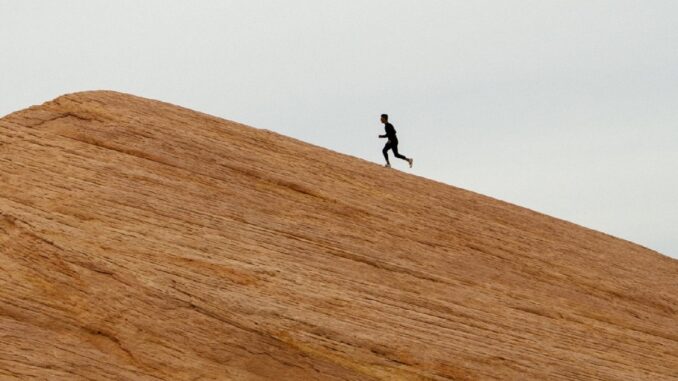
{"points": [[566, 107]]}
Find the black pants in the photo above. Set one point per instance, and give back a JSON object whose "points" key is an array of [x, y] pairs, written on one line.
{"points": [[392, 144]]}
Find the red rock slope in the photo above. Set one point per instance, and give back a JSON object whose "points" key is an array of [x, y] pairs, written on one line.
{"points": [[144, 241]]}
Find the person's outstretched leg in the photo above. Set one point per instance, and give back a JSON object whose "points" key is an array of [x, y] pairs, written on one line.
{"points": [[399, 156], [385, 152]]}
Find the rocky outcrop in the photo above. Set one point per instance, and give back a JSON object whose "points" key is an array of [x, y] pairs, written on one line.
{"points": [[144, 241]]}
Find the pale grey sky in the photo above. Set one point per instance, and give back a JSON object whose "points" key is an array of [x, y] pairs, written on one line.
{"points": [[566, 107]]}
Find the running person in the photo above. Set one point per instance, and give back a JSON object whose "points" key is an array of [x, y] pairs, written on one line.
{"points": [[392, 142]]}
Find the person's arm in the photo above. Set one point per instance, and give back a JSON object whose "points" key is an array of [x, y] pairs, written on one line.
{"points": [[386, 134]]}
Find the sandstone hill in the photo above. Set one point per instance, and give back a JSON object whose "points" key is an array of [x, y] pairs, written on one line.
{"points": [[144, 241]]}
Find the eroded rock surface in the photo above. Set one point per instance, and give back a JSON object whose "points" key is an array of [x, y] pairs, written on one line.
{"points": [[144, 241]]}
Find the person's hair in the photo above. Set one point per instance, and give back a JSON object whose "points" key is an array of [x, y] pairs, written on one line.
{"points": [[385, 116]]}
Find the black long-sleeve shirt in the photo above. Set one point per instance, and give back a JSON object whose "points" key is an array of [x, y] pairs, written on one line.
{"points": [[390, 132]]}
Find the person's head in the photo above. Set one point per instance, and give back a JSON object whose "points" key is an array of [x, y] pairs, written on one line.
{"points": [[384, 118]]}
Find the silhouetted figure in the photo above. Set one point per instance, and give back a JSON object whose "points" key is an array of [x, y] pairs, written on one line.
{"points": [[392, 142]]}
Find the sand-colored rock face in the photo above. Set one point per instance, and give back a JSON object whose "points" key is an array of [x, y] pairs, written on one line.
{"points": [[144, 241]]}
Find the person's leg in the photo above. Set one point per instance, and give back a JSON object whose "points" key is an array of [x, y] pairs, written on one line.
{"points": [[396, 154], [399, 156], [385, 152]]}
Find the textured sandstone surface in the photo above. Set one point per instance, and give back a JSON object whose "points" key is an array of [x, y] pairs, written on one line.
{"points": [[144, 241]]}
